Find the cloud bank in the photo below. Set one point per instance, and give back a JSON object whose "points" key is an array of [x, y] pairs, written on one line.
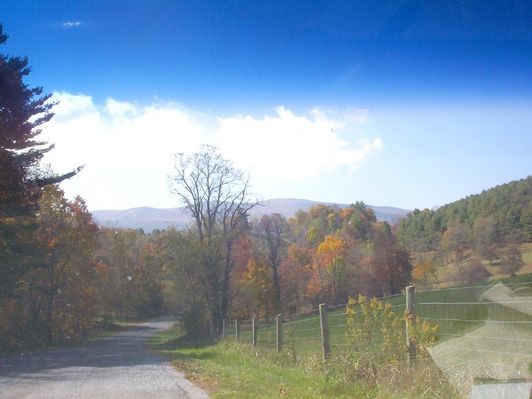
{"points": [[127, 148], [289, 146]]}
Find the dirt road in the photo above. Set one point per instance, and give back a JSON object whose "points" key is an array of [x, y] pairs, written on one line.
{"points": [[118, 367]]}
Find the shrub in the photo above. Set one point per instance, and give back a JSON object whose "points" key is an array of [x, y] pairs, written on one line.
{"points": [[378, 338]]}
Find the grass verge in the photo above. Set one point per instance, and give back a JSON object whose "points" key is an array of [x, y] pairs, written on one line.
{"points": [[236, 371], [230, 370]]}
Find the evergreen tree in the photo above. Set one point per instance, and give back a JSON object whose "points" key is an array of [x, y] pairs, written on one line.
{"points": [[22, 110]]}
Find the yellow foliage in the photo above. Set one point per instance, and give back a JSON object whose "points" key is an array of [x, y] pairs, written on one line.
{"points": [[424, 272], [333, 246], [378, 332]]}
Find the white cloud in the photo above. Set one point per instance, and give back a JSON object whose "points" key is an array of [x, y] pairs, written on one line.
{"points": [[71, 24], [288, 146], [127, 147]]}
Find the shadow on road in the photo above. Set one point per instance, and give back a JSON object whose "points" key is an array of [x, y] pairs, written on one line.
{"points": [[122, 350], [171, 348]]}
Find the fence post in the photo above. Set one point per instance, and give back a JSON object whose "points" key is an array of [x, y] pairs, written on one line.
{"points": [[410, 324], [278, 331], [224, 329], [237, 330], [324, 326], [254, 331]]}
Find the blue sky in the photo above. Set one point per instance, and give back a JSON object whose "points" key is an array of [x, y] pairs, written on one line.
{"points": [[412, 103]]}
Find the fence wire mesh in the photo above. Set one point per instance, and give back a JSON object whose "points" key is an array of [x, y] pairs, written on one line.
{"points": [[484, 332]]}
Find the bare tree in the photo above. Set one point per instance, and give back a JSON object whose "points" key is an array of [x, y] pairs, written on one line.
{"points": [[217, 195], [272, 229]]}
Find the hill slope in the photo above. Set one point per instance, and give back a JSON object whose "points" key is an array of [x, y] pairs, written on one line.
{"points": [[154, 218], [500, 214]]}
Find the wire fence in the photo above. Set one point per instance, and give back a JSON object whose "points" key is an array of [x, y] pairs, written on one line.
{"points": [[483, 331]]}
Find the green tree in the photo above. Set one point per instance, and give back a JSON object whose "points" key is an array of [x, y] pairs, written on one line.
{"points": [[22, 110]]}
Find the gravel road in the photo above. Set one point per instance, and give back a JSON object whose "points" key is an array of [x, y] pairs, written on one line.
{"points": [[117, 367]]}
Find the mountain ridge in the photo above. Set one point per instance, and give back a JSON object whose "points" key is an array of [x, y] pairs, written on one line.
{"points": [[150, 218]]}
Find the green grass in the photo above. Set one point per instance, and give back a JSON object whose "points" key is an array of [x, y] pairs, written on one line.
{"points": [[235, 370], [230, 370], [456, 311], [526, 251], [520, 278]]}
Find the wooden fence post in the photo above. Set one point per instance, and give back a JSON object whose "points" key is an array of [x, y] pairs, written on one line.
{"points": [[324, 326], [224, 329], [237, 330], [278, 332], [411, 324], [254, 331]]}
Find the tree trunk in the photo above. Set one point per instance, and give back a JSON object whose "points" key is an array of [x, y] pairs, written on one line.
{"points": [[277, 288]]}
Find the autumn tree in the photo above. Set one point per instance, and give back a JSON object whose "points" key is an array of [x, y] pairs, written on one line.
{"points": [[332, 251], [392, 265], [217, 196], [455, 240], [474, 272], [511, 260], [272, 230], [133, 273], [424, 272], [259, 288], [484, 237], [295, 275], [61, 287]]}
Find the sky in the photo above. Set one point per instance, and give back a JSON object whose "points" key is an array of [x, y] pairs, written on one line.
{"points": [[404, 103]]}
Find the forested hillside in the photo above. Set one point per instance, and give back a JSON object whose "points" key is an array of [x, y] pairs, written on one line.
{"points": [[499, 215]]}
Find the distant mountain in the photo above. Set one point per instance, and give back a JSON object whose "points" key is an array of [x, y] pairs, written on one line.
{"points": [[154, 218]]}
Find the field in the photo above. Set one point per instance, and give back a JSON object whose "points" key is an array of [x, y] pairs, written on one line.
{"points": [[448, 273], [455, 310], [237, 371], [484, 332]]}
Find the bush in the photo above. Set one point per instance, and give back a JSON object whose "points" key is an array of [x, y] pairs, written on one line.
{"points": [[379, 342], [194, 320]]}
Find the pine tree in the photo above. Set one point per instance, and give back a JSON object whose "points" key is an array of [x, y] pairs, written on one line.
{"points": [[23, 109]]}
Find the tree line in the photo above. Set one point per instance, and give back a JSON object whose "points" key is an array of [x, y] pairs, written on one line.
{"points": [[226, 265], [502, 214], [471, 233]]}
